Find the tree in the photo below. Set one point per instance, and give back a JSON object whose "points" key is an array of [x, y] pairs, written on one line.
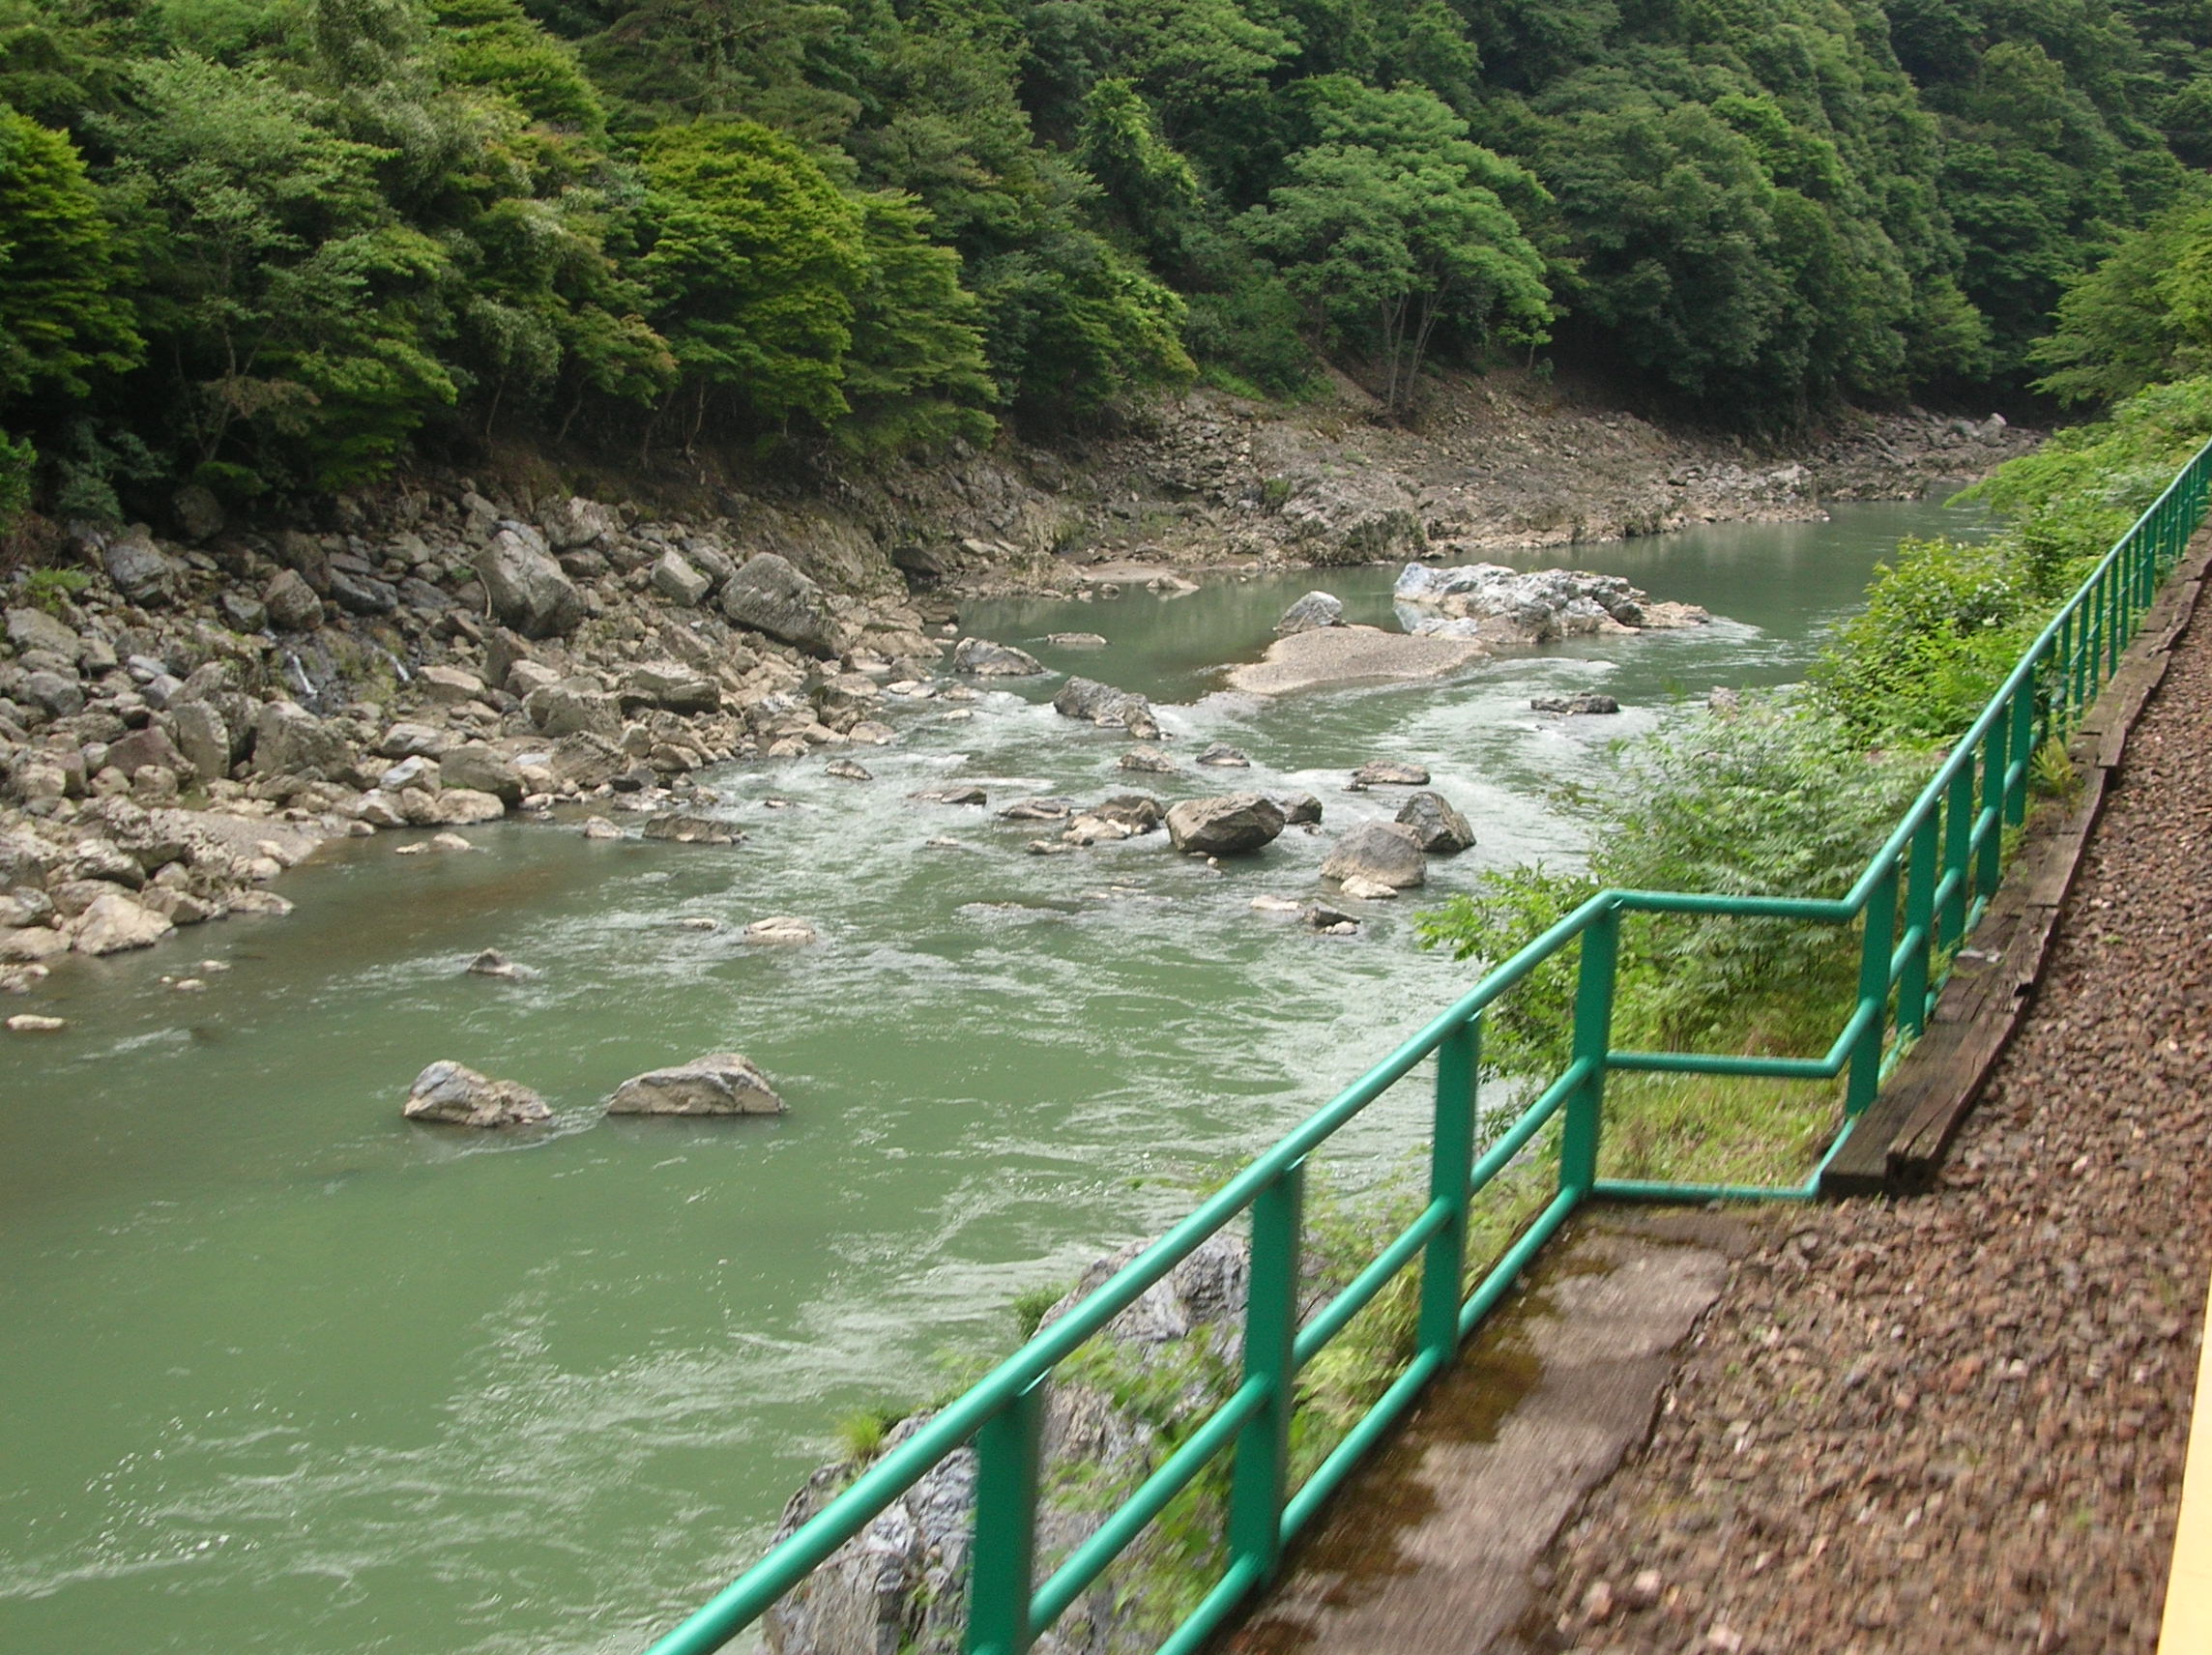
{"points": [[916, 375], [292, 310], [2127, 323], [494, 43], [1394, 223], [1080, 325], [60, 317], [753, 261], [1151, 191]]}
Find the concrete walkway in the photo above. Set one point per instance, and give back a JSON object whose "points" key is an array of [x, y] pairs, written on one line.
{"points": [[1430, 1548]]}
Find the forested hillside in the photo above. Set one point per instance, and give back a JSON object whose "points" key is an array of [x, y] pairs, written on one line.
{"points": [[272, 246]]}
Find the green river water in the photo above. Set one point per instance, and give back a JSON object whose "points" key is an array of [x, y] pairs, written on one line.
{"points": [[283, 1372]]}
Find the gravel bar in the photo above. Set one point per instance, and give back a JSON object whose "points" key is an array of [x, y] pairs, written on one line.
{"points": [[1957, 1422]]}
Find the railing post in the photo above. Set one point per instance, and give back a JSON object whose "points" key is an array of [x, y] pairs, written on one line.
{"points": [[1958, 830], [1919, 910], [2021, 749], [1258, 1486], [1990, 866], [1880, 938], [2078, 670], [2093, 669], [1452, 1157], [2116, 623], [1584, 1112], [1001, 1574]]}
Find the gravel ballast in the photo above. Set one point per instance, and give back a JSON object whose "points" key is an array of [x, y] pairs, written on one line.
{"points": [[1957, 1422]]}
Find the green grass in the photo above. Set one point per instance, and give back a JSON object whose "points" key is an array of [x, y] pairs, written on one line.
{"points": [[1715, 1129]]}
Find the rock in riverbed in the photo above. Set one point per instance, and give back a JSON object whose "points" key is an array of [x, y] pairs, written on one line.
{"points": [[1227, 825], [1362, 889], [1440, 829], [1332, 656], [1380, 850], [783, 930], [720, 1083], [451, 1092], [1505, 606], [979, 657], [1038, 810], [1585, 703], [681, 828], [1315, 610], [1096, 703], [1388, 773]]}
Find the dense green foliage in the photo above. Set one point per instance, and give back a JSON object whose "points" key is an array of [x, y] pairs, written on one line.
{"points": [[275, 243], [1789, 795], [1774, 800]]}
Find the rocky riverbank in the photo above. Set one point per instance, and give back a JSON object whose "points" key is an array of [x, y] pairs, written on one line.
{"points": [[1496, 462], [183, 722], [187, 713]]}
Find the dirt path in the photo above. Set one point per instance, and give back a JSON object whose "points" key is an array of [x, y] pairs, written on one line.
{"points": [[1957, 1423]]}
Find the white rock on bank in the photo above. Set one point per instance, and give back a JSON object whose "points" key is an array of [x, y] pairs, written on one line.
{"points": [[114, 923]]}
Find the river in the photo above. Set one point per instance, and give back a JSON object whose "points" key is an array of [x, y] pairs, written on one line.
{"points": [[283, 1372]]}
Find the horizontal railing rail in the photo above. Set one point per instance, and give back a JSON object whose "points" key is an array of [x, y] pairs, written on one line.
{"points": [[1920, 894]]}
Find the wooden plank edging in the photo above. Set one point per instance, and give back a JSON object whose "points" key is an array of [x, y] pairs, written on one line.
{"points": [[1898, 1143]]}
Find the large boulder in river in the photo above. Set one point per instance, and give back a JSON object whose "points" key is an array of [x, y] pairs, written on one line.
{"points": [[1227, 825], [1332, 657], [527, 589], [1440, 829], [1313, 611], [770, 595], [1097, 703], [979, 657], [464, 807], [451, 1092], [1588, 701], [1382, 852], [721, 1082], [682, 827]]}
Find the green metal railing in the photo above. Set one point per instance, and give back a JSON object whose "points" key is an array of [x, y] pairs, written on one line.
{"points": [[1920, 894]]}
